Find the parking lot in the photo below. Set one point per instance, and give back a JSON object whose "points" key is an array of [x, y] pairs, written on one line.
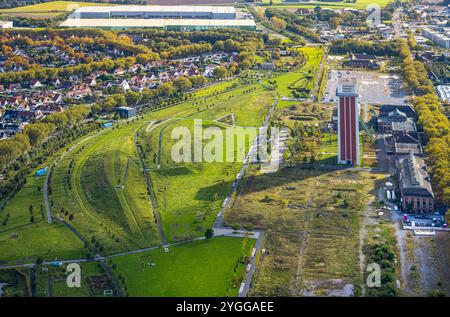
{"points": [[374, 88]]}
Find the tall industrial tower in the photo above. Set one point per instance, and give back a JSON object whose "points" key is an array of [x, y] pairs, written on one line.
{"points": [[348, 125]]}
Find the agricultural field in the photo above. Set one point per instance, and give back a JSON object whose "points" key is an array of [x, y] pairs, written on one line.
{"points": [[313, 220], [201, 268], [47, 10]]}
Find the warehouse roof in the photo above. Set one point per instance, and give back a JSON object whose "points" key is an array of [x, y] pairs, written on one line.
{"points": [[142, 23], [157, 8]]}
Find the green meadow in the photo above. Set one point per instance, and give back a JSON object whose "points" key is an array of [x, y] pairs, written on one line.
{"points": [[201, 268]]}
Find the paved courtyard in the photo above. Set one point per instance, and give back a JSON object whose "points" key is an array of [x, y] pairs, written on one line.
{"points": [[374, 88]]}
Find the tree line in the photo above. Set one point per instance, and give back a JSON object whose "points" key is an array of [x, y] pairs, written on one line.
{"points": [[382, 48], [34, 134], [434, 123]]}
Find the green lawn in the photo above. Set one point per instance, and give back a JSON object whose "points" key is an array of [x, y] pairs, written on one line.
{"points": [[189, 195], [89, 183], [102, 185], [202, 268], [21, 239]]}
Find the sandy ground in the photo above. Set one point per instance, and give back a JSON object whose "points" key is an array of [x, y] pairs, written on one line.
{"points": [[426, 265]]}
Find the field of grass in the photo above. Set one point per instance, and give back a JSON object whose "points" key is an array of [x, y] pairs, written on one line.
{"points": [[324, 206], [48, 9], [22, 239], [60, 6], [359, 4], [302, 78], [201, 268], [189, 195], [291, 114], [101, 183], [99, 187]]}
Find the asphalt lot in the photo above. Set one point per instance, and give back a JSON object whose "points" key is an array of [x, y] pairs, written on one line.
{"points": [[374, 88]]}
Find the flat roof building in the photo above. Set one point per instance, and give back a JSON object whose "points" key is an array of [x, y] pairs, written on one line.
{"points": [[126, 112], [165, 24], [439, 38], [155, 12], [172, 18]]}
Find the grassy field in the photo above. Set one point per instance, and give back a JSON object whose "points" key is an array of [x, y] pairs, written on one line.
{"points": [[102, 185], [358, 4], [24, 240], [202, 268], [99, 187], [302, 78], [323, 207], [291, 114], [189, 195], [48, 9]]}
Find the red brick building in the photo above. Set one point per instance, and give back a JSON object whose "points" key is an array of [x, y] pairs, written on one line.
{"points": [[348, 124], [415, 187]]}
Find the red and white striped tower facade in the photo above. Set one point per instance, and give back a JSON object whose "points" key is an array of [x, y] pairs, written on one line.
{"points": [[348, 124]]}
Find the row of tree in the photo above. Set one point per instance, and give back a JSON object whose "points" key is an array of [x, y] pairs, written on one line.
{"points": [[382, 48], [34, 134], [434, 123]]}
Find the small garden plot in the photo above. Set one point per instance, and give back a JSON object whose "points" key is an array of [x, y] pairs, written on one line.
{"points": [[201, 268]]}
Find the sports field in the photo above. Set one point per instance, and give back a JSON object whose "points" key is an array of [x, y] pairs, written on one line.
{"points": [[202, 268]]}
